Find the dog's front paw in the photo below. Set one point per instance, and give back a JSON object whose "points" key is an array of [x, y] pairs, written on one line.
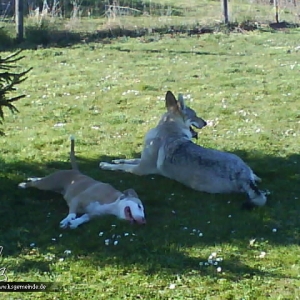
{"points": [[34, 178], [118, 161], [105, 166], [22, 185], [74, 223], [67, 221]]}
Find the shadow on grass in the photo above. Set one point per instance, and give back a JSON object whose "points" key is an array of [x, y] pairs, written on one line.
{"points": [[40, 37], [173, 51], [64, 39], [182, 223]]}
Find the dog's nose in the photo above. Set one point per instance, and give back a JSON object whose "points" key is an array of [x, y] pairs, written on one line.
{"points": [[141, 221]]}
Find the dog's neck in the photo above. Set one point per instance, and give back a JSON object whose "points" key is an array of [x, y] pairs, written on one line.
{"points": [[113, 208], [171, 127], [175, 132]]}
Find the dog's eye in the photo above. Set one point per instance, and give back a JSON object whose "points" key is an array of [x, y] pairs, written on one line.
{"points": [[139, 206]]}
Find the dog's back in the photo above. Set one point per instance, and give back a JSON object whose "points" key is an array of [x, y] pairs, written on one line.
{"points": [[203, 169]]}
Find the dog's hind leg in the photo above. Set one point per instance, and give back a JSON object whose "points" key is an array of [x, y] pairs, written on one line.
{"points": [[54, 182], [51, 182], [25, 185], [40, 183]]}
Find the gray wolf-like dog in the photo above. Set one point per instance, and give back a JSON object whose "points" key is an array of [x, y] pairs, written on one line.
{"points": [[88, 197], [170, 152]]}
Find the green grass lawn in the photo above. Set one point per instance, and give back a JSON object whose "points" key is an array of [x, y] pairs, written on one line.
{"points": [[109, 95]]}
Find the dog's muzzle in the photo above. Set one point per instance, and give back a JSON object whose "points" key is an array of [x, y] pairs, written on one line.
{"points": [[194, 133], [140, 221]]}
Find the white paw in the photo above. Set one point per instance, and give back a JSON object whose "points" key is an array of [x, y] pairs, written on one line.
{"points": [[260, 200], [118, 161], [266, 192], [22, 185], [74, 223], [105, 165], [66, 221], [33, 178]]}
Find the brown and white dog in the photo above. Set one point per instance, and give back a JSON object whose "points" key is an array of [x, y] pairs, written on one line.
{"points": [[89, 197]]}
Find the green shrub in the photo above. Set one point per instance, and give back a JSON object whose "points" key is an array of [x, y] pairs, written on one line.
{"points": [[48, 32], [5, 39], [9, 78], [38, 33]]}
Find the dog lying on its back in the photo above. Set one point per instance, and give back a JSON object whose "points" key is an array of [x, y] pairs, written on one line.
{"points": [[89, 197], [172, 153]]}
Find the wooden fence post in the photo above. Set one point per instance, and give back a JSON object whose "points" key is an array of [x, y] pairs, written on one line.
{"points": [[276, 4], [19, 19], [225, 11]]}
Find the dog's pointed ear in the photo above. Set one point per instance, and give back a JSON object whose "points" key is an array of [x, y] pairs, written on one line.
{"points": [[181, 101], [131, 192], [171, 102]]}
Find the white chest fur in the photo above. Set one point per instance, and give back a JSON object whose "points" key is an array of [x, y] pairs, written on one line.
{"points": [[97, 209]]}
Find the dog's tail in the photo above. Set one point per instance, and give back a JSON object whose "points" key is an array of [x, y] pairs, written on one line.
{"points": [[72, 153]]}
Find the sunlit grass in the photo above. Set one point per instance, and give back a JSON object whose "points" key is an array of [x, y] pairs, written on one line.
{"points": [[108, 96]]}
